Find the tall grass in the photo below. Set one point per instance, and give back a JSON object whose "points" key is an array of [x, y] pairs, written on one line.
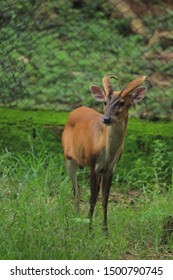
{"points": [[38, 219]]}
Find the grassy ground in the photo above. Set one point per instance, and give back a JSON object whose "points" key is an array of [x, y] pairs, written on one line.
{"points": [[38, 219]]}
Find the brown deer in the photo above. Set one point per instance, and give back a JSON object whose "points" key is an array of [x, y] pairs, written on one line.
{"points": [[95, 140]]}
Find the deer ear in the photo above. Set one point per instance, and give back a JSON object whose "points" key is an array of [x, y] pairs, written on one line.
{"points": [[97, 93], [138, 94]]}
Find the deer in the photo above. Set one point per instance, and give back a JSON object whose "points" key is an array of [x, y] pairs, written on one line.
{"points": [[95, 140]]}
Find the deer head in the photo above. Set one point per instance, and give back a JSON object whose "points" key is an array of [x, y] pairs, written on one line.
{"points": [[117, 103]]}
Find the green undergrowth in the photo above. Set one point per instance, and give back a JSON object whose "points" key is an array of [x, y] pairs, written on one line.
{"points": [[38, 217], [20, 128], [38, 117], [12, 116]]}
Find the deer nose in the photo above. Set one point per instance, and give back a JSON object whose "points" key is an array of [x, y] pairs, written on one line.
{"points": [[106, 120]]}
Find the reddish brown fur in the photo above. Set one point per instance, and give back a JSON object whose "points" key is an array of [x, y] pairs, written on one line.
{"points": [[87, 141], [83, 149]]}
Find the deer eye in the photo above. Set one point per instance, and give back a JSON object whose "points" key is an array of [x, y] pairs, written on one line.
{"points": [[121, 104]]}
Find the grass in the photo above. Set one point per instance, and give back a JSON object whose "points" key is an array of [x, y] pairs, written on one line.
{"points": [[38, 219], [14, 116], [42, 117]]}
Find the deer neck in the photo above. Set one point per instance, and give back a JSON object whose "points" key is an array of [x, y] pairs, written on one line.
{"points": [[115, 137], [113, 143]]}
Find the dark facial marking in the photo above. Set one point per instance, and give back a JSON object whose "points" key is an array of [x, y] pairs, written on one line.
{"points": [[116, 101]]}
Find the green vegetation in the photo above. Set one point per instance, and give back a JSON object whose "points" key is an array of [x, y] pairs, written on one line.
{"points": [[19, 128], [38, 219], [14, 116], [51, 51]]}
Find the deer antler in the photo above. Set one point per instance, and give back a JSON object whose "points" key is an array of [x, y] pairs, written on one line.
{"points": [[107, 84], [133, 85]]}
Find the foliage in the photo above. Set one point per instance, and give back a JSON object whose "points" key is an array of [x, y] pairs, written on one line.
{"points": [[148, 171], [162, 21], [52, 51], [162, 156]]}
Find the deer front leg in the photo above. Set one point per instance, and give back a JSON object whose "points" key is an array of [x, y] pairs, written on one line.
{"points": [[106, 185], [94, 189]]}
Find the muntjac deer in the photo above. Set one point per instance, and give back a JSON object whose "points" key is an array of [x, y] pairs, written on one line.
{"points": [[95, 140]]}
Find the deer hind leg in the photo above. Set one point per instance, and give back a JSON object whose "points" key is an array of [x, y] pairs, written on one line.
{"points": [[106, 185], [94, 189], [71, 166]]}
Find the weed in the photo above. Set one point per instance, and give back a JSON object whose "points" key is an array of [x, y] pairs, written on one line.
{"points": [[161, 162], [38, 217]]}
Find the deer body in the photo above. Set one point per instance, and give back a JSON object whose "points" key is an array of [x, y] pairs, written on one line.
{"points": [[100, 145], [95, 140]]}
